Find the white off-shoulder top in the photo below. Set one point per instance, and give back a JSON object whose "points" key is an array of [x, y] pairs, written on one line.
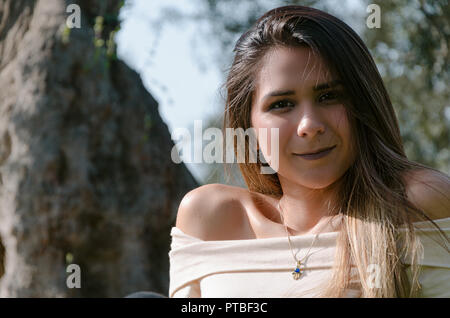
{"points": [[261, 268]]}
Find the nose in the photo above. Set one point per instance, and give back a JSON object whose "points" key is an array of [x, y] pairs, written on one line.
{"points": [[310, 124]]}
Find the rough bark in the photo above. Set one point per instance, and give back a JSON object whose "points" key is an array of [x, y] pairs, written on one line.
{"points": [[86, 175]]}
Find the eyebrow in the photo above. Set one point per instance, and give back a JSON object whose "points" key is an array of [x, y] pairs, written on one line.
{"points": [[318, 87]]}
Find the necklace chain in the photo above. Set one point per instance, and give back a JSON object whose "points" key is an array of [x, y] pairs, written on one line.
{"points": [[296, 274]]}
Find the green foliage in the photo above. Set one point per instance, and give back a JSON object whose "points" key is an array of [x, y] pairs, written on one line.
{"points": [[411, 50], [69, 258], [148, 124], [65, 35], [105, 49]]}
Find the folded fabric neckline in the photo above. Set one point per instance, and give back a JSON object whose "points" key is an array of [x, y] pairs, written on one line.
{"points": [[295, 237], [255, 239]]}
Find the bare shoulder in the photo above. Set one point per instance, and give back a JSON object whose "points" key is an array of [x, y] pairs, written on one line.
{"points": [[430, 191], [213, 212]]}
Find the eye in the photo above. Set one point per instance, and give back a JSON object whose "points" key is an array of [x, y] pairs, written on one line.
{"points": [[329, 96], [281, 104]]}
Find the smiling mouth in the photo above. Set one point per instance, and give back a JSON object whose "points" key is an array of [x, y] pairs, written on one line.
{"points": [[317, 154]]}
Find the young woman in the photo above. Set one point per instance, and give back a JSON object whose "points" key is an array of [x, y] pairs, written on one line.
{"points": [[346, 214]]}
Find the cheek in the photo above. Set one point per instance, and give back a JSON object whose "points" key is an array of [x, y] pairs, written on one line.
{"points": [[267, 136], [340, 123]]}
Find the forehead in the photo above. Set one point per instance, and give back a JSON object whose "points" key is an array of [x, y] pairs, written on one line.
{"points": [[294, 68]]}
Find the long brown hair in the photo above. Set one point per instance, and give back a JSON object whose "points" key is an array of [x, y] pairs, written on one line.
{"points": [[372, 196]]}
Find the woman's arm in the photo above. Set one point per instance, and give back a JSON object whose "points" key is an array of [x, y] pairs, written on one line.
{"points": [[429, 191]]}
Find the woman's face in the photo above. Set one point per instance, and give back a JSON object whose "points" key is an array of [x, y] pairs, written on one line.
{"points": [[291, 94]]}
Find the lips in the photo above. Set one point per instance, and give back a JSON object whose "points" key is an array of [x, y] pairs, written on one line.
{"points": [[316, 151], [319, 154]]}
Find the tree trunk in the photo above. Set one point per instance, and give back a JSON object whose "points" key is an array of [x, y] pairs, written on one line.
{"points": [[86, 175]]}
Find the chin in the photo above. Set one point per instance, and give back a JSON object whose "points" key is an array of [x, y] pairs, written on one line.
{"points": [[317, 182]]}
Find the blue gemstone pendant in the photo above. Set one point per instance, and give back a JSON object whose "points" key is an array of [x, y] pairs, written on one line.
{"points": [[297, 272]]}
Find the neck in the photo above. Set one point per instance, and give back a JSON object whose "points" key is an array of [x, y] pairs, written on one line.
{"points": [[306, 210]]}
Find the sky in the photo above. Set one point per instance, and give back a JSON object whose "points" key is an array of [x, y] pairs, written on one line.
{"points": [[167, 65]]}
